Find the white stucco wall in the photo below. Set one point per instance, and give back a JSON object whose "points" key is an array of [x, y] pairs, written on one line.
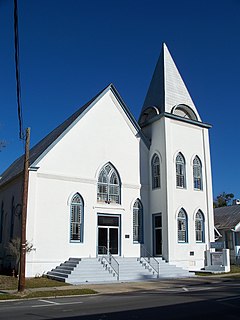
{"points": [[169, 137], [103, 135]]}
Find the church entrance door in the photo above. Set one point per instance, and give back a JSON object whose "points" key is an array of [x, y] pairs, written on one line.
{"points": [[157, 234], [108, 234]]}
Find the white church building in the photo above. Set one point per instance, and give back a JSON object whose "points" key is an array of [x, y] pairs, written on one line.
{"points": [[103, 182]]}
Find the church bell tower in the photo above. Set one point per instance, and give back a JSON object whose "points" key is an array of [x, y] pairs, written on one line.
{"points": [[180, 185]]}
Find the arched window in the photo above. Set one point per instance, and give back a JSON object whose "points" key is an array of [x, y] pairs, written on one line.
{"points": [[76, 219], [182, 226], [197, 173], [138, 221], [156, 182], [182, 110], [180, 171], [199, 226], [108, 185]]}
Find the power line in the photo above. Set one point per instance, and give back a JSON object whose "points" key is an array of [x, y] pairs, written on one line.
{"points": [[16, 42]]}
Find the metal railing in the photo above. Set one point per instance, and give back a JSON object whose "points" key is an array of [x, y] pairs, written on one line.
{"points": [[105, 255], [150, 260]]}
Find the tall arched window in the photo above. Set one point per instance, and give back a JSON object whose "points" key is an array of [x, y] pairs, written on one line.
{"points": [[76, 219], [199, 226], [180, 171], [156, 182], [108, 185], [182, 226], [138, 221], [197, 173]]}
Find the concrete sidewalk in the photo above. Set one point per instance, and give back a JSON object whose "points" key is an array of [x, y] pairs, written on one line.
{"points": [[159, 284], [121, 287], [151, 285]]}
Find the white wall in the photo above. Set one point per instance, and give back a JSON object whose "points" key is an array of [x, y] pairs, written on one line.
{"points": [[169, 137], [104, 134]]}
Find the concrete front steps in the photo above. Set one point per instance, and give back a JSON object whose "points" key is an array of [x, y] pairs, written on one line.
{"points": [[76, 271], [132, 269], [97, 270], [168, 270]]}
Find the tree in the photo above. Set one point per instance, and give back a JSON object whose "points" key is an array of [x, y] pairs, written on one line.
{"points": [[223, 199], [14, 247]]}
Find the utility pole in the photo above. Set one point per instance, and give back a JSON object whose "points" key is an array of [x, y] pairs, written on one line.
{"points": [[21, 281]]}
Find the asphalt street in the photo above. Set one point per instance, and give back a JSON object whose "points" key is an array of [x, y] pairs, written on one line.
{"points": [[202, 301]]}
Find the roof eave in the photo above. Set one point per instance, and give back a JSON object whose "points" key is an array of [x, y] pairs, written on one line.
{"points": [[178, 118]]}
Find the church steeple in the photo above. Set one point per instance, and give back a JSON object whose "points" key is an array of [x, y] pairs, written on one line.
{"points": [[167, 91]]}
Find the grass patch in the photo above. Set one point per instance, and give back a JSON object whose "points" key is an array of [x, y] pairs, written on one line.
{"points": [[46, 294], [234, 272], [43, 282], [235, 268], [11, 283]]}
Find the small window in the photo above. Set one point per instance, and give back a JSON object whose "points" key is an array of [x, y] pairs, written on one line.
{"points": [[180, 171], [76, 224], [197, 173], [199, 227], [156, 181], [138, 222], [108, 185], [182, 226]]}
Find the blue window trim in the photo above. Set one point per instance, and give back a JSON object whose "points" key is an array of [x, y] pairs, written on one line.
{"points": [[156, 178], [81, 223], [202, 220], [197, 174], [180, 171], [185, 220], [138, 206]]}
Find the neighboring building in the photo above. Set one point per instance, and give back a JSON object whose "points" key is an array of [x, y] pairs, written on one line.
{"points": [[227, 222], [102, 180]]}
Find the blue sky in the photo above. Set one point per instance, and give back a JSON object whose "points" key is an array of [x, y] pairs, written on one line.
{"points": [[72, 49]]}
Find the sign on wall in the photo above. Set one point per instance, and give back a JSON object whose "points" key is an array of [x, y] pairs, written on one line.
{"points": [[217, 245]]}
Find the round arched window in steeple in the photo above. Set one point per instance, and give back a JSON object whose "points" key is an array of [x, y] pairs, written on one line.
{"points": [[148, 114], [184, 111]]}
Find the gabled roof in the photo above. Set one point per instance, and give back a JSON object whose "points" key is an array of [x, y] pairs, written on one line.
{"points": [[41, 147], [227, 217], [167, 88]]}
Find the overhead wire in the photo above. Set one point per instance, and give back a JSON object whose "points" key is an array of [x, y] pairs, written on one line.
{"points": [[18, 82]]}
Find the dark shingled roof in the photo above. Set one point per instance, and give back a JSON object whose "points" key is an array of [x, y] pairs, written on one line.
{"points": [[16, 167], [227, 217]]}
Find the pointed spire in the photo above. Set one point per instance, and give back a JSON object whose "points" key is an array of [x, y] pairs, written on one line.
{"points": [[167, 88]]}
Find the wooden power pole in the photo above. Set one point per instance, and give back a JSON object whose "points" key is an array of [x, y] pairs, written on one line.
{"points": [[21, 281]]}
